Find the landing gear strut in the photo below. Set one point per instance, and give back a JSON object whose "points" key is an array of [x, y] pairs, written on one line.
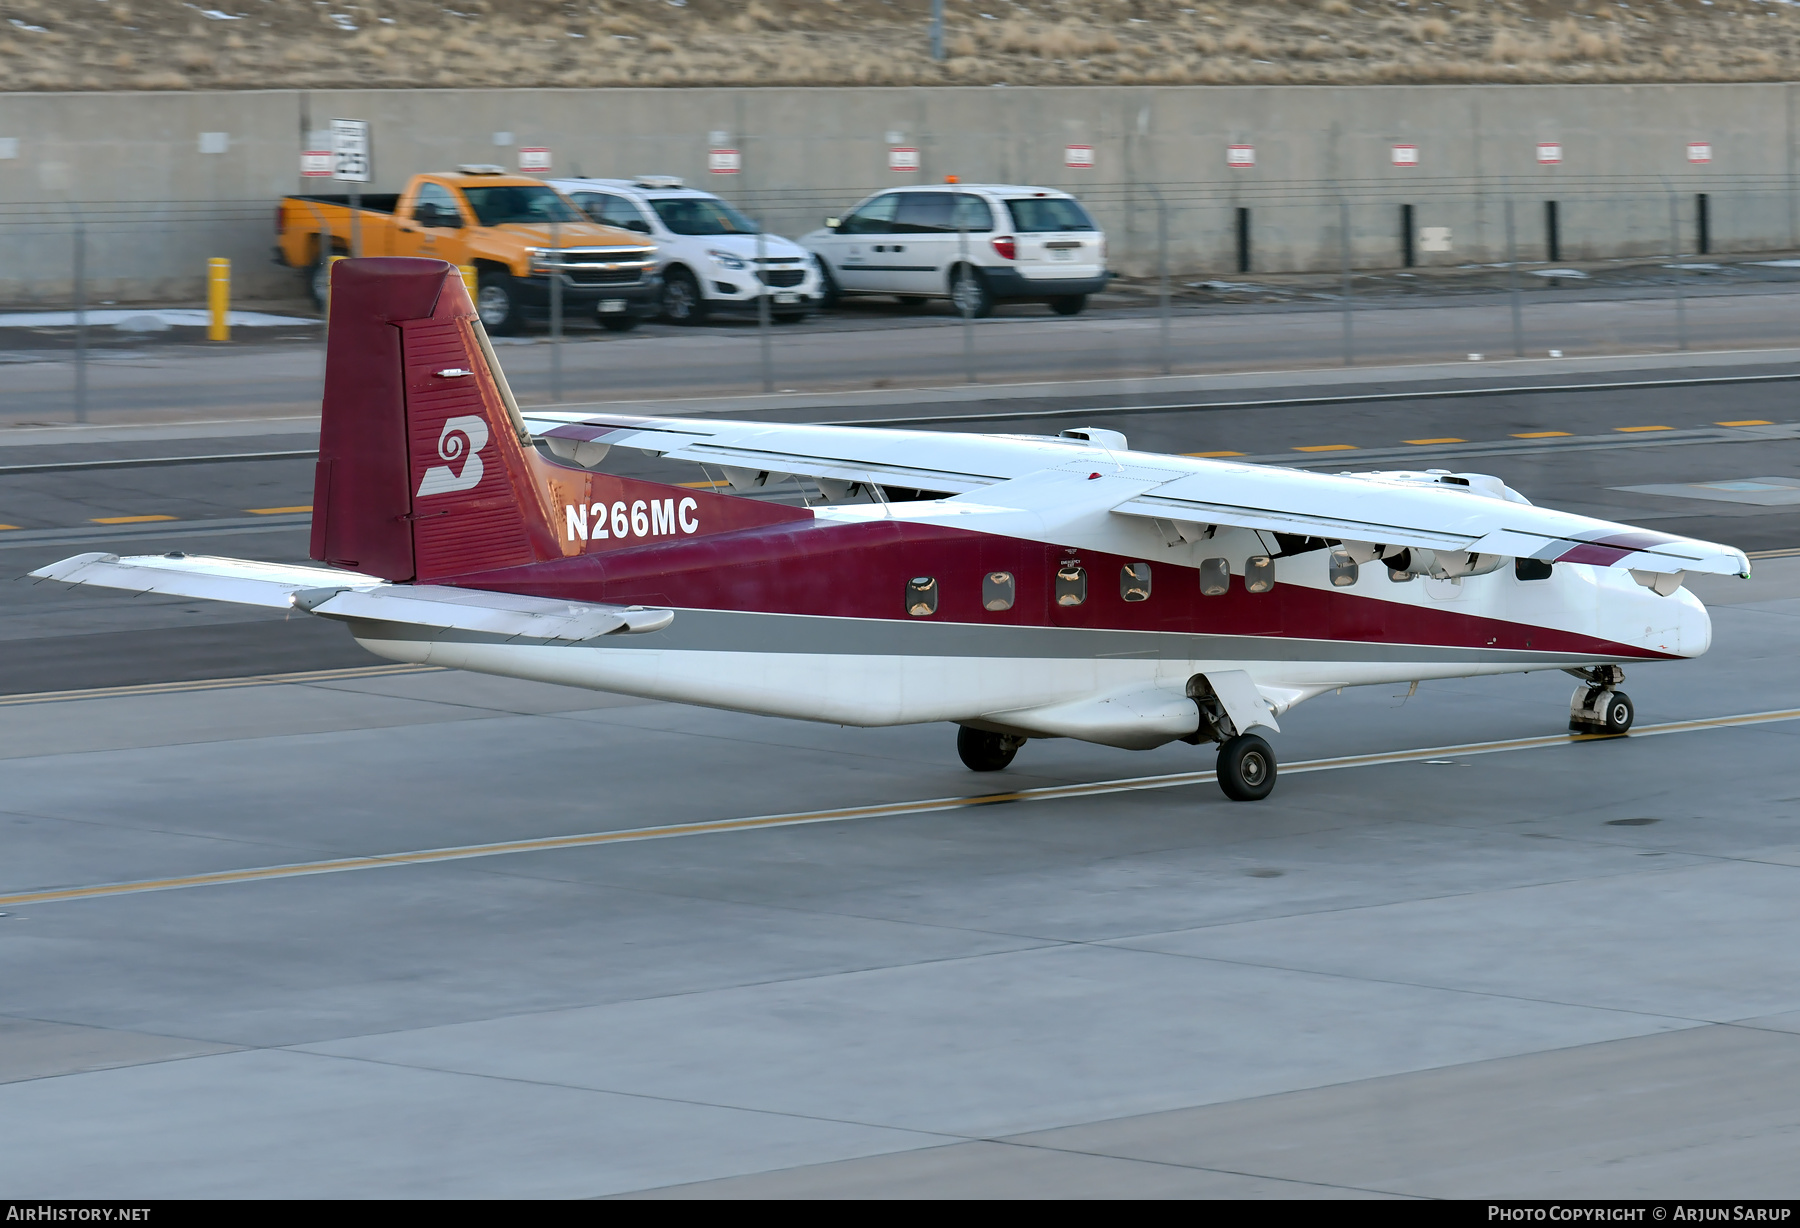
{"points": [[982, 751], [1246, 768], [1599, 706]]}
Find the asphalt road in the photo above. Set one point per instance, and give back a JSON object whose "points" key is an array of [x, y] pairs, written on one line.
{"points": [[376, 931], [872, 344]]}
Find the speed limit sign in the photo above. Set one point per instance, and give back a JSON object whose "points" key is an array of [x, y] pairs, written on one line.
{"points": [[350, 150]]}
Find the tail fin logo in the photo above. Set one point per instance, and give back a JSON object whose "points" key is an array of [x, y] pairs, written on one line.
{"points": [[463, 434]]}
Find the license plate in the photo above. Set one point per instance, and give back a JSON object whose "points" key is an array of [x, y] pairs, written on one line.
{"points": [[787, 298], [1062, 253], [612, 304]]}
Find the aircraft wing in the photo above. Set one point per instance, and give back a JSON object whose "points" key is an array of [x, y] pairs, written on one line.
{"points": [[919, 460], [1416, 511], [349, 595]]}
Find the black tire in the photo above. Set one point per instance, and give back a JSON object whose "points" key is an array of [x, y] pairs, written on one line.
{"points": [[497, 302], [1069, 304], [1246, 768], [982, 751], [683, 302], [829, 292], [1618, 714], [969, 293], [618, 321]]}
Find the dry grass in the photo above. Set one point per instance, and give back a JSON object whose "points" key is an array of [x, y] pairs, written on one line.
{"points": [[172, 45]]}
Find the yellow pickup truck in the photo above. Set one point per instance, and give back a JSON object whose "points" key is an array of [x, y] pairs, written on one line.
{"points": [[521, 235]]}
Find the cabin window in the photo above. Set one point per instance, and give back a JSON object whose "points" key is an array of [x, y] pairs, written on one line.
{"points": [[1343, 568], [921, 596], [1071, 586], [1134, 581], [1259, 573], [1215, 577], [997, 591], [1532, 569]]}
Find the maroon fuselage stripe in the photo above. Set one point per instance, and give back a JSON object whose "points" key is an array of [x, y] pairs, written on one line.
{"points": [[806, 566]]}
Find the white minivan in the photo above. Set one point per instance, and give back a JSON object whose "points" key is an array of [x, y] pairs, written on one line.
{"points": [[712, 258], [976, 244]]}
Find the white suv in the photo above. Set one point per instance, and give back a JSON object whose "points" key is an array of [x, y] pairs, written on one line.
{"points": [[975, 244], [712, 256]]}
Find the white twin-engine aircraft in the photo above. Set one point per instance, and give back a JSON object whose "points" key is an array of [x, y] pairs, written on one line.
{"points": [[1017, 586]]}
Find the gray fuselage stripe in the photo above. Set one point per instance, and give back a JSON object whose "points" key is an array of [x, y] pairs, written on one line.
{"points": [[801, 634]]}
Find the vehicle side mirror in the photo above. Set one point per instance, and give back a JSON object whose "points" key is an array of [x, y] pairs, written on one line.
{"points": [[832, 223]]}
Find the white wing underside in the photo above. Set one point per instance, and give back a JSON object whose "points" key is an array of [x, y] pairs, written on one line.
{"points": [[348, 595], [1411, 510]]}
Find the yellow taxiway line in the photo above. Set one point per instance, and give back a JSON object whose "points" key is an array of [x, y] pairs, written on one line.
{"points": [[630, 835]]}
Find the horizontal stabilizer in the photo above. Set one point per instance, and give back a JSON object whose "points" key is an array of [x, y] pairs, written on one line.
{"points": [[348, 596]]}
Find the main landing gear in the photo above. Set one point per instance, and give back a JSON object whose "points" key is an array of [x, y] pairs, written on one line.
{"points": [[982, 751], [1598, 706], [1246, 768]]}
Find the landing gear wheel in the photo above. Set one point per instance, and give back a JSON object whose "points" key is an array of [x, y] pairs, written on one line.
{"points": [[497, 303], [682, 301], [618, 322], [969, 293], [1246, 768], [982, 751], [1068, 304], [1618, 713]]}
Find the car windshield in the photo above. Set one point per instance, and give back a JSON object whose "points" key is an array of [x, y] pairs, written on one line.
{"points": [[498, 206], [696, 215], [1036, 214]]}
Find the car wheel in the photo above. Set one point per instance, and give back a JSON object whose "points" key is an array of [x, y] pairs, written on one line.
{"points": [[1068, 304], [618, 321], [969, 293], [497, 303], [682, 301], [829, 293]]}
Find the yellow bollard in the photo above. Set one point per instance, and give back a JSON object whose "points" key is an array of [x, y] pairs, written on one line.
{"points": [[218, 298], [329, 264], [469, 279]]}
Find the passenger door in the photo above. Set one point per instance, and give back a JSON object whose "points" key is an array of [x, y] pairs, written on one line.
{"points": [[430, 225], [852, 250]]}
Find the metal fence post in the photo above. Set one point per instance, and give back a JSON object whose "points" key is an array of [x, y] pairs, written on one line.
{"points": [[80, 289], [937, 29], [1512, 282], [762, 308], [556, 308], [1675, 252], [1349, 308], [965, 270], [1162, 277]]}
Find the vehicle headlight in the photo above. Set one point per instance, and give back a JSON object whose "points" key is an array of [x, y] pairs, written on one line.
{"points": [[726, 260], [540, 259]]}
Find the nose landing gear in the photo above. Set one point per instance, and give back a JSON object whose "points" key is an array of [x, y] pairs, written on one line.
{"points": [[1599, 706]]}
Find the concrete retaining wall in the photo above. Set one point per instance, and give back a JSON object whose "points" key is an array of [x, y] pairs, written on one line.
{"points": [[154, 206]]}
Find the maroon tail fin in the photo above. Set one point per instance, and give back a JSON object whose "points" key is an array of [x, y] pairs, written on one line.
{"points": [[424, 469]]}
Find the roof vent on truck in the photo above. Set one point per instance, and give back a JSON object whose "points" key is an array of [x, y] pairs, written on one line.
{"points": [[657, 181], [480, 168]]}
